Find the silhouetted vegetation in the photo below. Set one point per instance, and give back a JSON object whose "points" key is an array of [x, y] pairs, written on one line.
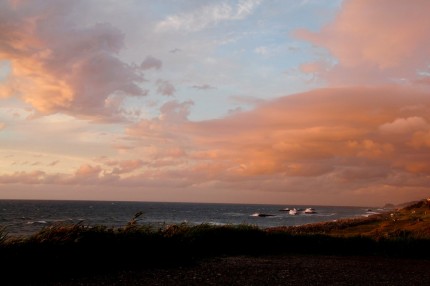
{"points": [[62, 249]]}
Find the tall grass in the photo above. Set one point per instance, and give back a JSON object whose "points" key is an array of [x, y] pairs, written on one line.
{"points": [[64, 248], [3, 234], [183, 240]]}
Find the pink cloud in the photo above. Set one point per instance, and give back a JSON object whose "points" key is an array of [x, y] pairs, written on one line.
{"points": [[124, 166], [84, 175], [344, 138], [88, 170], [376, 41], [421, 139], [405, 125], [151, 63], [166, 126], [34, 177], [59, 67], [164, 87], [345, 143]]}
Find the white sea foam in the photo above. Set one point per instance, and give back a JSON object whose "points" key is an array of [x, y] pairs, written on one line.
{"points": [[37, 222], [216, 223]]}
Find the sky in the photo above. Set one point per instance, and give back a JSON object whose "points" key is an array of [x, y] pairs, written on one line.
{"points": [[233, 101]]}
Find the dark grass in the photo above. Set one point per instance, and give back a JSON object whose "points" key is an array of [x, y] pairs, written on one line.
{"points": [[70, 250]]}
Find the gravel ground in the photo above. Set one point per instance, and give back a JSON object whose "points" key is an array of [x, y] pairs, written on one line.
{"points": [[270, 270]]}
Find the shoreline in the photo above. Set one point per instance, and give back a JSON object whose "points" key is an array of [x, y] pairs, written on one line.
{"points": [[27, 218], [78, 252]]}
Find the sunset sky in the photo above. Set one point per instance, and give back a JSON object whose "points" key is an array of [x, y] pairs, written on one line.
{"points": [[242, 101]]}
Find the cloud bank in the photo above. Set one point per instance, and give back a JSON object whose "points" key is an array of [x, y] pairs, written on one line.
{"points": [[342, 142], [57, 66], [375, 42]]}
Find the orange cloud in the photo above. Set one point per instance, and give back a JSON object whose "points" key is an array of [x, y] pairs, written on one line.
{"points": [[88, 171], [34, 177], [124, 166], [405, 125], [57, 67], [335, 140], [341, 142], [421, 139], [376, 41]]}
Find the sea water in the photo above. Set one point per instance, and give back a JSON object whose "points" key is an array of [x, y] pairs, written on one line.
{"points": [[22, 217]]}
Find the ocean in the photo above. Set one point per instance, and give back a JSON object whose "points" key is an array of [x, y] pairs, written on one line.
{"points": [[21, 217]]}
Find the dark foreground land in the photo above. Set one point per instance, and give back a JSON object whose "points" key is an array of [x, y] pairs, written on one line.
{"points": [[386, 249], [265, 270]]}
